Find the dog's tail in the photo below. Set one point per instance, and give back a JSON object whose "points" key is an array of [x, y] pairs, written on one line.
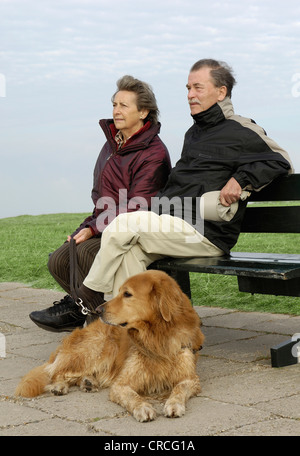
{"points": [[34, 383]]}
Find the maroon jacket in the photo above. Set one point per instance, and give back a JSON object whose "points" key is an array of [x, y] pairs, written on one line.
{"points": [[140, 169]]}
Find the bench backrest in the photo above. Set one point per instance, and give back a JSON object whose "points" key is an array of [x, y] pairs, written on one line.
{"points": [[275, 219]]}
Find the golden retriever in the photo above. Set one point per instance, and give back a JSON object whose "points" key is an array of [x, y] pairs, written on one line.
{"points": [[145, 343]]}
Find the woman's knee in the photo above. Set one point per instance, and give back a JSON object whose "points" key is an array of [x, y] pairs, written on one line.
{"points": [[58, 257], [86, 252]]}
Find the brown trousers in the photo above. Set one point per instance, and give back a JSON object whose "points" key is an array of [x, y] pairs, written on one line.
{"points": [[59, 262]]}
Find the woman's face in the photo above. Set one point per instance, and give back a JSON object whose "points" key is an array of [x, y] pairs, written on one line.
{"points": [[126, 116]]}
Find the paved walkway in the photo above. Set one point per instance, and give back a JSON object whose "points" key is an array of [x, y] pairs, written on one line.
{"points": [[241, 393]]}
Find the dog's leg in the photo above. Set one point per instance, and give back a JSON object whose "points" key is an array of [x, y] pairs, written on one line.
{"points": [[59, 388], [89, 385], [132, 402], [175, 405]]}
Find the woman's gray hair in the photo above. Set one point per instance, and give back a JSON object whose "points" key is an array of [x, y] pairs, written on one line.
{"points": [[144, 95], [221, 73]]}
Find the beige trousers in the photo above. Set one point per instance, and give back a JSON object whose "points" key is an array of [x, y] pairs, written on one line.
{"points": [[134, 240]]}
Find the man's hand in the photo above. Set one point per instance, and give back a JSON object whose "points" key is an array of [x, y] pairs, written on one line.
{"points": [[82, 236], [230, 193]]}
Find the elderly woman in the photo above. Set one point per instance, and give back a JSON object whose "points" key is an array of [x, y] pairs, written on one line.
{"points": [[132, 166]]}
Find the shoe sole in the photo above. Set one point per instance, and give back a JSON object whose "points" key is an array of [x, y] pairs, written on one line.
{"points": [[51, 329]]}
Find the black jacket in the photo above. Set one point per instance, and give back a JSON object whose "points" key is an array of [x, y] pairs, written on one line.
{"points": [[221, 145]]}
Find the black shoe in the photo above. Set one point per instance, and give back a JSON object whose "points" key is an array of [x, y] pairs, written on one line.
{"points": [[64, 315]]}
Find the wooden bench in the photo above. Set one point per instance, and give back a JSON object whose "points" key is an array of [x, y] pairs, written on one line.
{"points": [[264, 273]]}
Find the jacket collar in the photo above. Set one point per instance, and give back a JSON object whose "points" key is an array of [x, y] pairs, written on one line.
{"points": [[215, 114], [140, 140]]}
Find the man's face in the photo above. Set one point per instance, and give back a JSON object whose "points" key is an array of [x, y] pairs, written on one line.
{"points": [[202, 93]]}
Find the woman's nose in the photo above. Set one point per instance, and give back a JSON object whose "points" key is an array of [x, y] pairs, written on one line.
{"points": [[116, 110]]}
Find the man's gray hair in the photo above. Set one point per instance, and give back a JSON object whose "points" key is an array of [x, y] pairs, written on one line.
{"points": [[221, 73]]}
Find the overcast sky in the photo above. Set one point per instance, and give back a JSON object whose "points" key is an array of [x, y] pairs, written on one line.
{"points": [[60, 60]]}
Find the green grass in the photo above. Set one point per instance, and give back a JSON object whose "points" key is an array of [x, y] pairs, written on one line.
{"points": [[26, 241]]}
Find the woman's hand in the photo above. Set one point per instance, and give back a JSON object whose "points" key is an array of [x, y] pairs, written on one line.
{"points": [[83, 235]]}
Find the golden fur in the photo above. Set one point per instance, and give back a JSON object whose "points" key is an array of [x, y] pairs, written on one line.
{"points": [[145, 343]]}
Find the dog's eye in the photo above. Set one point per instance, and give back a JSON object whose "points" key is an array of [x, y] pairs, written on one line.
{"points": [[127, 294]]}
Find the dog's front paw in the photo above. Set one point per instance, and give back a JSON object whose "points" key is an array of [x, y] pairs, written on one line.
{"points": [[144, 412], [88, 385], [58, 389], [174, 409]]}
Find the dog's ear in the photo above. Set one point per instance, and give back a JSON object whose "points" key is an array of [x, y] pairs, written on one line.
{"points": [[167, 294], [164, 307]]}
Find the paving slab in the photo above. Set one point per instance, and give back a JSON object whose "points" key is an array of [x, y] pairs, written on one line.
{"points": [[242, 395]]}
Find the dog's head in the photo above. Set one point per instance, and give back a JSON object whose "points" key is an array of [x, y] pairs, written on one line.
{"points": [[155, 312], [151, 297], [148, 295]]}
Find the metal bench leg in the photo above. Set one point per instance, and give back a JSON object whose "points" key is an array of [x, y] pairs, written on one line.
{"points": [[286, 353], [183, 280]]}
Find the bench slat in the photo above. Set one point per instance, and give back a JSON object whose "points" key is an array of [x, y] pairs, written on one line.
{"points": [[281, 189], [230, 266], [269, 286], [271, 219]]}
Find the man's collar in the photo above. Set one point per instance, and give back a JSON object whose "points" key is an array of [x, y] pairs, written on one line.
{"points": [[215, 114]]}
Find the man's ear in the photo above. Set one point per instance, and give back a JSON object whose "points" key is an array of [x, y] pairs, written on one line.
{"points": [[222, 93]]}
